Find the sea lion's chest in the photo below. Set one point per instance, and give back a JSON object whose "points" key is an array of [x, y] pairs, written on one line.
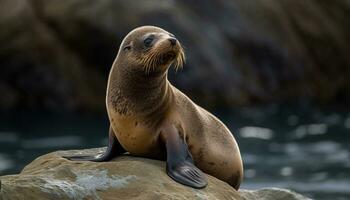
{"points": [[134, 135]]}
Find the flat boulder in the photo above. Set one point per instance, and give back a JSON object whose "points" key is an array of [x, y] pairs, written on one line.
{"points": [[126, 177]]}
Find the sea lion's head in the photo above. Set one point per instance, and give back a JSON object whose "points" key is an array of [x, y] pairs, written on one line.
{"points": [[151, 49]]}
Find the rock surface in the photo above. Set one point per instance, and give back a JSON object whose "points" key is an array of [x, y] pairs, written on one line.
{"points": [[52, 177], [56, 54]]}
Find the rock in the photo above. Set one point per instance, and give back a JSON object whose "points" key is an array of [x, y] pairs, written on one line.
{"points": [[127, 177], [56, 54]]}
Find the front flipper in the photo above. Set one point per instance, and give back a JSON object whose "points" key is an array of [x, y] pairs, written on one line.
{"points": [[180, 165], [114, 149]]}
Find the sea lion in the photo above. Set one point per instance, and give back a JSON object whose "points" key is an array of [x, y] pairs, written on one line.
{"points": [[151, 118]]}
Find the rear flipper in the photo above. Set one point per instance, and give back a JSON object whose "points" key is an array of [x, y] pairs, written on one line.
{"points": [[180, 165], [114, 149]]}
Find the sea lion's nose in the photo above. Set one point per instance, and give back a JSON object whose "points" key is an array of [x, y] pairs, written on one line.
{"points": [[172, 41]]}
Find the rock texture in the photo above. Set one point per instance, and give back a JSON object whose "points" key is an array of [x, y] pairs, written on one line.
{"points": [[53, 177], [56, 54]]}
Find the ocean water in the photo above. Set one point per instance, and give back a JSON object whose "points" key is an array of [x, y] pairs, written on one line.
{"points": [[300, 148]]}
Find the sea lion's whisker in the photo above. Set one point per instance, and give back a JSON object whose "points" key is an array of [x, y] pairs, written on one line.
{"points": [[180, 59]]}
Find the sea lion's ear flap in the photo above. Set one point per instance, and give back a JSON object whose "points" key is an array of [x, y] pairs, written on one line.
{"points": [[127, 47]]}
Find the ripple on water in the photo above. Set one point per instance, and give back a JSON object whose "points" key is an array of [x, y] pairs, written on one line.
{"points": [[332, 119], [347, 123], [330, 186], [256, 132], [310, 129], [328, 151], [5, 163], [103, 142], [8, 137], [250, 158], [317, 177], [249, 173], [322, 147], [301, 154], [292, 149], [52, 142], [286, 171], [292, 120]]}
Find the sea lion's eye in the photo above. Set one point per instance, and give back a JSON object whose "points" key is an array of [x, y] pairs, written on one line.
{"points": [[148, 41]]}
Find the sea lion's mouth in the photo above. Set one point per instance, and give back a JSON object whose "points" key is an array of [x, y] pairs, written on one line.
{"points": [[157, 61]]}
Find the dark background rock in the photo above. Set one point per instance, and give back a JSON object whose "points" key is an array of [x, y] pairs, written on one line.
{"points": [[56, 54]]}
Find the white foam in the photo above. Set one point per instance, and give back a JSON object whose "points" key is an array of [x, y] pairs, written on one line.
{"points": [[256, 132]]}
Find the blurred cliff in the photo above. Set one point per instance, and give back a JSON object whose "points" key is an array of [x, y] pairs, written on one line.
{"points": [[56, 54]]}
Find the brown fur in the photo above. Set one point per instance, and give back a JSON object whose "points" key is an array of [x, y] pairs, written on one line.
{"points": [[141, 101]]}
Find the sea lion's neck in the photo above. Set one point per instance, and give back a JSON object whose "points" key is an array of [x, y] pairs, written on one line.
{"points": [[148, 95]]}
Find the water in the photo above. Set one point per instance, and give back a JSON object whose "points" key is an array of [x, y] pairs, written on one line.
{"points": [[303, 149]]}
